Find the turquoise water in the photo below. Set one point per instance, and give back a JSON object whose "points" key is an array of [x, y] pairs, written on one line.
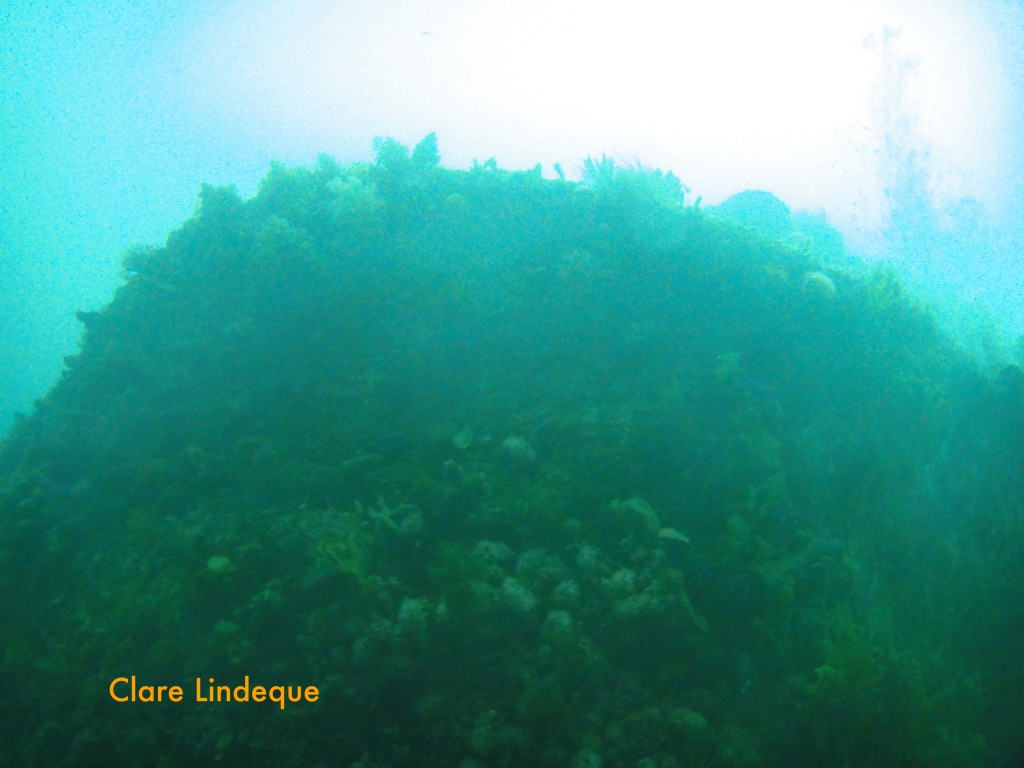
{"points": [[687, 432]]}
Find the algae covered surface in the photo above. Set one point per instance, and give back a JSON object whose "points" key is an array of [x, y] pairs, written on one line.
{"points": [[514, 472]]}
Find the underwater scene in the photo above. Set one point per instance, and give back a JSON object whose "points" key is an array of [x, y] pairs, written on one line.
{"points": [[393, 464]]}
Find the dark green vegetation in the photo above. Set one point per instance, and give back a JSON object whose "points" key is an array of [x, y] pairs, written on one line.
{"points": [[435, 440]]}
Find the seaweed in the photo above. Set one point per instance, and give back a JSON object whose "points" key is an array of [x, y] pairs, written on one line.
{"points": [[517, 471]]}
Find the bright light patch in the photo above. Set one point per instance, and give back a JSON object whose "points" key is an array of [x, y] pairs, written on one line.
{"points": [[729, 94]]}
